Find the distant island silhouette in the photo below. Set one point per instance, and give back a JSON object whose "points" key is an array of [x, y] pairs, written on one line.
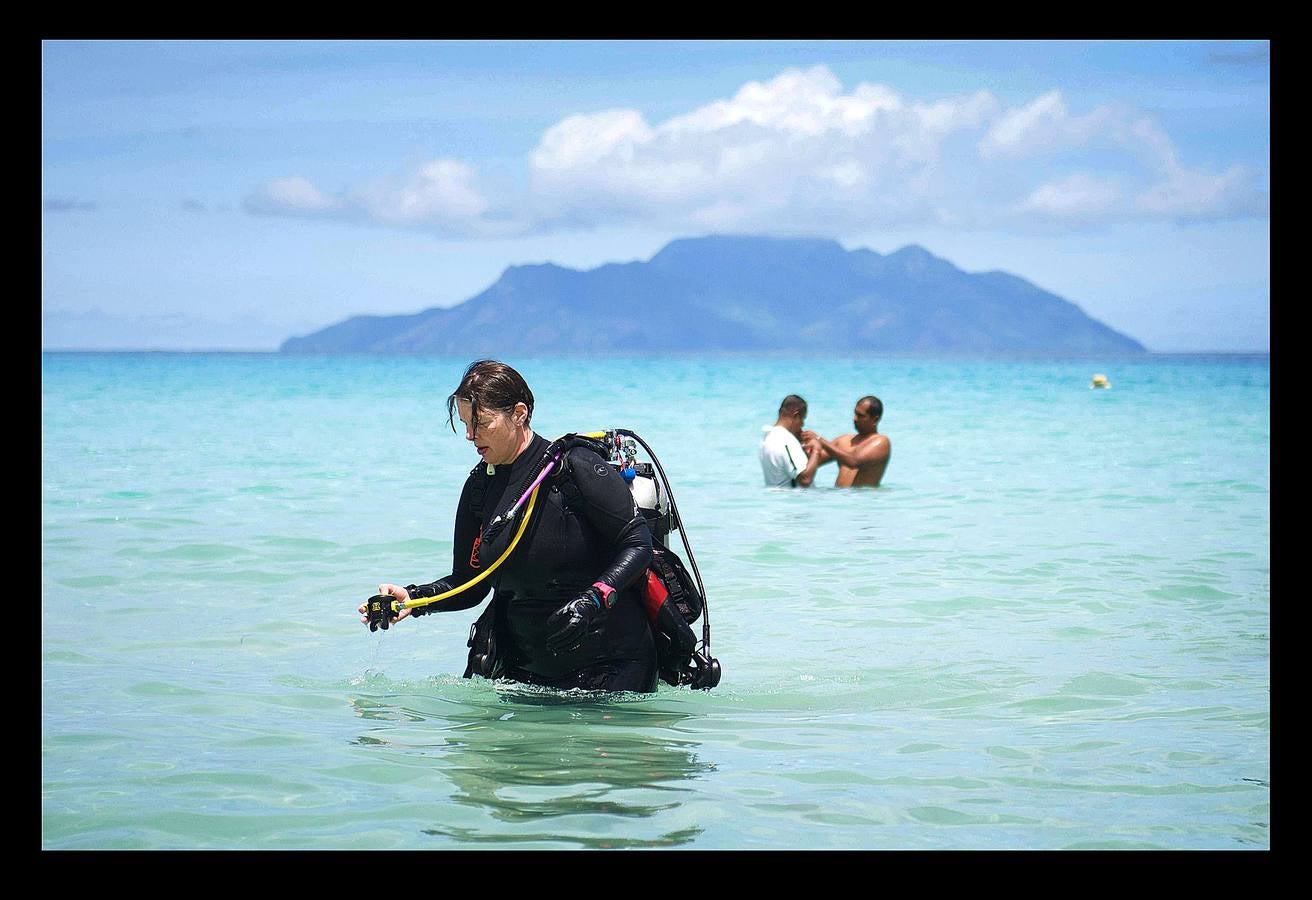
{"points": [[737, 293]]}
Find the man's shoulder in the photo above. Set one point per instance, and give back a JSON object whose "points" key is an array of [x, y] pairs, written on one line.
{"points": [[874, 444]]}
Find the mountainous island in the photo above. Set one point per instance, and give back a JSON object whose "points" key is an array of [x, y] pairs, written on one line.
{"points": [[725, 293]]}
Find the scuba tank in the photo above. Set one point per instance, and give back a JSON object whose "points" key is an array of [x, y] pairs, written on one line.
{"points": [[674, 599]]}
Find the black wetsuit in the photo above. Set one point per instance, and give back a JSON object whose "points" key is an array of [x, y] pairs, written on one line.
{"points": [[585, 528]]}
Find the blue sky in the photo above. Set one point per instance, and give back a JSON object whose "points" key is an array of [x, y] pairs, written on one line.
{"points": [[228, 195]]}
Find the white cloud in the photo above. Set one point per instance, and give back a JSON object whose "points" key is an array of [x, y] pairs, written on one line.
{"points": [[1188, 194], [847, 174], [964, 113], [800, 103], [1045, 126], [439, 194], [589, 139], [794, 154], [293, 196], [1162, 188], [1037, 125], [798, 153], [438, 191], [1080, 196]]}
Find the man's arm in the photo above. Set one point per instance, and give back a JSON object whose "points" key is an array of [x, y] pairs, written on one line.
{"points": [[811, 442], [875, 450], [807, 475]]}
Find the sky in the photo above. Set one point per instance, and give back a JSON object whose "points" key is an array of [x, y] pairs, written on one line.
{"points": [[227, 195]]}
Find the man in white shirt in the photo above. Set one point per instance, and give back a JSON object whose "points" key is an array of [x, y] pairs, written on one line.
{"points": [[784, 462]]}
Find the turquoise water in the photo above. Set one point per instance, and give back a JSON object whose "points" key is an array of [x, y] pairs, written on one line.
{"points": [[1049, 629]]}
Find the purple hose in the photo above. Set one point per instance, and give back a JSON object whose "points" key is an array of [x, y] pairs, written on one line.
{"points": [[541, 475]]}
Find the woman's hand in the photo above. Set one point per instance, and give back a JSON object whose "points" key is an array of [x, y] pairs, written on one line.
{"points": [[574, 620], [384, 590]]}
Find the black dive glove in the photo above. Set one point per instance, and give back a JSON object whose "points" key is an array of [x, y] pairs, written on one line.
{"points": [[573, 621]]}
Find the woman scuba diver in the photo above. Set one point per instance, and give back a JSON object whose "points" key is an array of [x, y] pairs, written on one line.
{"points": [[568, 610]]}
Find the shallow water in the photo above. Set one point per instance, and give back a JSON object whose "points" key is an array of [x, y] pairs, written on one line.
{"points": [[1049, 629]]}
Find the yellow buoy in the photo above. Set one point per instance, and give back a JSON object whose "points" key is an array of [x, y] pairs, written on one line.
{"points": [[1100, 381]]}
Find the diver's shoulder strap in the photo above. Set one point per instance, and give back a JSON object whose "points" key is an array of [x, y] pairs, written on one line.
{"points": [[478, 479], [563, 479]]}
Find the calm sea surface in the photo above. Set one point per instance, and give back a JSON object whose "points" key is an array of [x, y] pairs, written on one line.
{"points": [[1049, 629]]}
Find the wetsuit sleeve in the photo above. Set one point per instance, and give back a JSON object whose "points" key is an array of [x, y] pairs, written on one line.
{"points": [[609, 507], [464, 562]]}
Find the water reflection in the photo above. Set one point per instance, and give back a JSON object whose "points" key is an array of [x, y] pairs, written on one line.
{"points": [[551, 768]]}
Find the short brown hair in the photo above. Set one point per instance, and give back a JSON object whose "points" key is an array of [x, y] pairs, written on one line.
{"points": [[492, 385]]}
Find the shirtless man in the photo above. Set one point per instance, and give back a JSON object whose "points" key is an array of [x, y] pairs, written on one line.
{"points": [[861, 457]]}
